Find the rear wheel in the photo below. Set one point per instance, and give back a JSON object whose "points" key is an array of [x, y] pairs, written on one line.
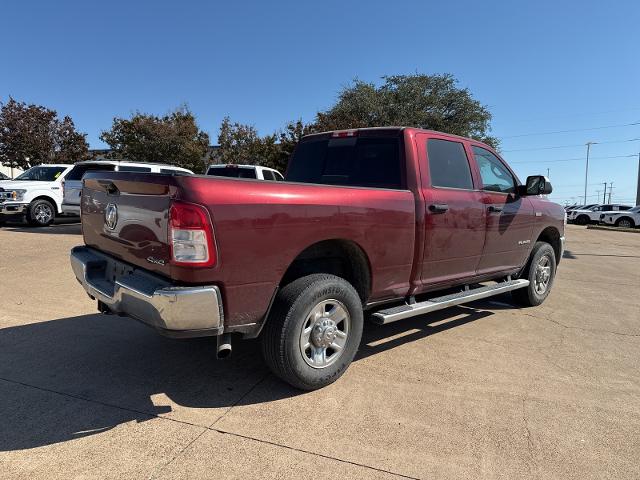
{"points": [[540, 271], [625, 223], [313, 331], [41, 213]]}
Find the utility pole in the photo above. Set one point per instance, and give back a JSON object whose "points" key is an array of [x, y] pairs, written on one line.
{"points": [[610, 190], [638, 191], [604, 199], [586, 170]]}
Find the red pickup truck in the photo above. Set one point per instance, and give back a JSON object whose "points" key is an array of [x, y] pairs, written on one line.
{"points": [[395, 222]]}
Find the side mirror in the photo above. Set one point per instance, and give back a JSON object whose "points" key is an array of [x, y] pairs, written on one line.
{"points": [[536, 185]]}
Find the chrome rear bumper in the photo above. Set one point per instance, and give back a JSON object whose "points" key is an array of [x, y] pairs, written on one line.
{"points": [[123, 289]]}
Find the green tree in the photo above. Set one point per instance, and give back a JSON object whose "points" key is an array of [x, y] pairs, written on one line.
{"points": [[241, 144], [33, 134], [174, 138], [425, 101]]}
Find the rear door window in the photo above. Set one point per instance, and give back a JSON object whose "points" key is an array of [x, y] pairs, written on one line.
{"points": [[268, 175], [352, 161], [448, 164]]}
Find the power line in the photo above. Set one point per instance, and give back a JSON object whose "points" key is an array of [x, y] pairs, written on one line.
{"points": [[567, 146], [573, 115], [574, 159], [572, 130]]}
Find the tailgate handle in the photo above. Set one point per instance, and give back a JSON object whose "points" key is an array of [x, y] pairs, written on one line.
{"points": [[109, 187]]}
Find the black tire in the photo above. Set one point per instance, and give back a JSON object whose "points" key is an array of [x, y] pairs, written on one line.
{"points": [[583, 220], [41, 213], [531, 296], [631, 223], [292, 312]]}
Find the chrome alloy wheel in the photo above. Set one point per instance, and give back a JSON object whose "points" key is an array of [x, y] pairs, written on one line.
{"points": [[324, 333], [542, 275], [43, 213], [624, 223]]}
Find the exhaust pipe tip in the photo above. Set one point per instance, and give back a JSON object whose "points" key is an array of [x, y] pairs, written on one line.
{"points": [[224, 346]]}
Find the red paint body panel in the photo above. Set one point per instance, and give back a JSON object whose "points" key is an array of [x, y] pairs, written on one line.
{"points": [[260, 227]]}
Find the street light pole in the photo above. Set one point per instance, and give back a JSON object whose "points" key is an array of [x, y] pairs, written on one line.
{"points": [[586, 170], [638, 191]]}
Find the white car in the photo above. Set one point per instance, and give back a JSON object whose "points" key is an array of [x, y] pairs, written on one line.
{"points": [[36, 194], [624, 219], [592, 213], [73, 181], [245, 171]]}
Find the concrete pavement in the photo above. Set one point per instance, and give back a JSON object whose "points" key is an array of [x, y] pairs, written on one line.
{"points": [[482, 391]]}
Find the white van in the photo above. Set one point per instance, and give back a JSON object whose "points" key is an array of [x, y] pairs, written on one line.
{"points": [[72, 184]]}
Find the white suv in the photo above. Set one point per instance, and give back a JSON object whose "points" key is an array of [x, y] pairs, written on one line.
{"points": [[36, 194], [627, 219], [245, 171], [592, 214], [73, 181]]}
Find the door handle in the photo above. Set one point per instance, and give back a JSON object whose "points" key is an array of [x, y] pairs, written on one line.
{"points": [[495, 208], [438, 207]]}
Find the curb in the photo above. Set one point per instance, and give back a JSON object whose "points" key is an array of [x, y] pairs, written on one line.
{"points": [[613, 229]]}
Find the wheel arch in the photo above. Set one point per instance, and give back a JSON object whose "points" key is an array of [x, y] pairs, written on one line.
{"points": [[633, 222], [49, 199], [551, 235], [340, 257]]}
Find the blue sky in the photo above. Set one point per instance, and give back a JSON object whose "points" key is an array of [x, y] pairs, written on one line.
{"points": [[541, 66]]}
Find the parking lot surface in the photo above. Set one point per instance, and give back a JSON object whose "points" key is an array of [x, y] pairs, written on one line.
{"points": [[481, 391]]}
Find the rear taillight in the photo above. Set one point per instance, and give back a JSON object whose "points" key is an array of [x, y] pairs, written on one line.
{"points": [[191, 235]]}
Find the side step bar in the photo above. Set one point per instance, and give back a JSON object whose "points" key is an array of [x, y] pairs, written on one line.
{"points": [[411, 310]]}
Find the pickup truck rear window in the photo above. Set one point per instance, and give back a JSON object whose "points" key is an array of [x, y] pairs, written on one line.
{"points": [[78, 171], [353, 161], [232, 172]]}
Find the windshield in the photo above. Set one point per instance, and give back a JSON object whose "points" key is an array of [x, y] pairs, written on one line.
{"points": [[42, 174]]}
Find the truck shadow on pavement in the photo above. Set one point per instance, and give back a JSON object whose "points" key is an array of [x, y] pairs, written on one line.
{"points": [[65, 226], [74, 377]]}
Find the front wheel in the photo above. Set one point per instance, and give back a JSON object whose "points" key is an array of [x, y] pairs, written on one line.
{"points": [[625, 223], [540, 271], [313, 331], [583, 220], [41, 213]]}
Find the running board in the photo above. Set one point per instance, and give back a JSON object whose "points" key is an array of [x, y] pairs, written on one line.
{"points": [[411, 310]]}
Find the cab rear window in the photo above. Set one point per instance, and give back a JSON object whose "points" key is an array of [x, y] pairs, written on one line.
{"points": [[232, 172], [352, 161], [78, 171]]}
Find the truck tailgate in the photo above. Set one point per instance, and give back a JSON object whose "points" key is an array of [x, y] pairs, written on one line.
{"points": [[126, 215]]}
